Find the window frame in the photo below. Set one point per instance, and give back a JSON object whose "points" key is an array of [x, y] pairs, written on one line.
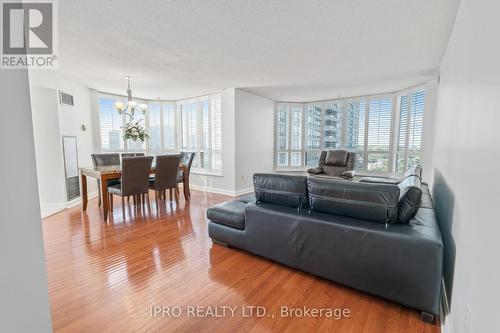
{"points": [[199, 133], [393, 130]]}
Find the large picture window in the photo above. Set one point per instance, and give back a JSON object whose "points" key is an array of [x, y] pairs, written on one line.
{"points": [[188, 125], [384, 130], [201, 124]]}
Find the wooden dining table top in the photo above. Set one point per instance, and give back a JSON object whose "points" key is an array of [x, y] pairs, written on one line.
{"points": [[98, 171]]}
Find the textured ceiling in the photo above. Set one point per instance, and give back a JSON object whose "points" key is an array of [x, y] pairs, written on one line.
{"points": [[282, 49]]}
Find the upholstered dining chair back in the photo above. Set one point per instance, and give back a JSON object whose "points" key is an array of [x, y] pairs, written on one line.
{"points": [[135, 175], [167, 167], [187, 159], [132, 154], [105, 159]]}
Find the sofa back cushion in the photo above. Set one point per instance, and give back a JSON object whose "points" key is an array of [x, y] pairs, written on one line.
{"points": [[410, 198], [337, 158], [373, 202], [285, 190]]}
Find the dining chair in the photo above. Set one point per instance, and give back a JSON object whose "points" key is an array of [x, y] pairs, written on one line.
{"points": [[187, 160], [132, 154], [105, 160], [165, 178], [134, 181]]}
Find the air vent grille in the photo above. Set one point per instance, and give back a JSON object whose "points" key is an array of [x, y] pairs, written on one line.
{"points": [[66, 98]]}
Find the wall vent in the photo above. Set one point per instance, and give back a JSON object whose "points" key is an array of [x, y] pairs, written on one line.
{"points": [[65, 98]]}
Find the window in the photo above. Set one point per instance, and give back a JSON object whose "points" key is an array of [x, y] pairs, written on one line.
{"points": [[289, 135], [201, 124], [159, 122], [411, 116], [161, 127], [384, 130], [111, 125], [355, 130], [379, 134], [312, 135], [191, 125]]}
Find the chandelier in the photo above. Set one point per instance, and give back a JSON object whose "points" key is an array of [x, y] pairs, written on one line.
{"points": [[131, 106]]}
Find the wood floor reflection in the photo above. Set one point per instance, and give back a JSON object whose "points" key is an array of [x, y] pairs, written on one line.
{"points": [[106, 277]]}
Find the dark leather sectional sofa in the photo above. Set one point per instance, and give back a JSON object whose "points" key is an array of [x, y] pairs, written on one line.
{"points": [[375, 237]]}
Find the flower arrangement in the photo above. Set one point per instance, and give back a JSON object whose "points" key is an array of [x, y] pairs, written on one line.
{"points": [[135, 131]]}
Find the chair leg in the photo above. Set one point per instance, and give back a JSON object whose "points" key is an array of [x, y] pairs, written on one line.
{"points": [[147, 202], [110, 202], [123, 206], [176, 194]]}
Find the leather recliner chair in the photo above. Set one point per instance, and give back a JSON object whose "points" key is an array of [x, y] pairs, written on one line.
{"points": [[335, 164]]}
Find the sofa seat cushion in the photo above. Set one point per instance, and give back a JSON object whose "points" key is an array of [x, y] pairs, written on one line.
{"points": [[279, 189], [230, 213], [372, 202]]}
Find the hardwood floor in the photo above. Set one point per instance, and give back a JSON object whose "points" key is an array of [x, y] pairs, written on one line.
{"points": [[107, 277]]}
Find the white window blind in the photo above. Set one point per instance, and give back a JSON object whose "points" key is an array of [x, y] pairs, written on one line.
{"points": [[154, 127], [159, 122], [384, 130], [201, 124], [169, 127], [402, 134], [411, 116], [111, 123], [379, 134]]}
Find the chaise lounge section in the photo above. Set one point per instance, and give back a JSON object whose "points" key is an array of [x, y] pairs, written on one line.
{"points": [[378, 238]]}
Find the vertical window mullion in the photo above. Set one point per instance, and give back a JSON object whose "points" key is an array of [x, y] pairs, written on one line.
{"points": [[124, 122], [392, 150], [303, 136], [289, 134], [343, 133], [365, 144], [407, 139], [209, 129]]}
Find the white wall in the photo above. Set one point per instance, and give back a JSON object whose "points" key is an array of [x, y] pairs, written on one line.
{"points": [[70, 119], [247, 143], [428, 131], [254, 138], [48, 150], [24, 303], [467, 153]]}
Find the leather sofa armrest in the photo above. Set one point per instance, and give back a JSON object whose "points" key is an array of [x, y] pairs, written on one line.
{"points": [[315, 171], [349, 174]]}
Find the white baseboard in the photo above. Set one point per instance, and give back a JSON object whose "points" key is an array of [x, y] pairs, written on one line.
{"points": [[78, 200], [445, 315], [50, 209], [222, 191], [53, 208], [247, 190]]}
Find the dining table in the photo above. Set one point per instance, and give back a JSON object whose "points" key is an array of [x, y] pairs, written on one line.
{"points": [[109, 172]]}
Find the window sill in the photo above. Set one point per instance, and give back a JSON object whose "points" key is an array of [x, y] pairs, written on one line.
{"points": [[206, 173]]}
